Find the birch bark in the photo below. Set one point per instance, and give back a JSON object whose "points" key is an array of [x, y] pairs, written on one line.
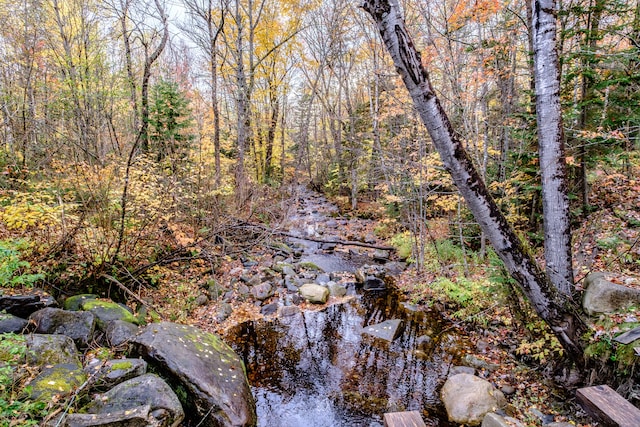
{"points": [[558, 312], [553, 170]]}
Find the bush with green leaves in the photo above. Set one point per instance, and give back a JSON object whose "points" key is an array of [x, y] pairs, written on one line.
{"points": [[15, 408], [14, 271]]}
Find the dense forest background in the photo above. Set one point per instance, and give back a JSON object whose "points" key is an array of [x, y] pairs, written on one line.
{"points": [[137, 132]]}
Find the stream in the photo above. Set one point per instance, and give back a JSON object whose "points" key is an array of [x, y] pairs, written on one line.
{"points": [[316, 368]]}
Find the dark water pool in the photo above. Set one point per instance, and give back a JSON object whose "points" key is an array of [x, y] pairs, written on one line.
{"points": [[316, 368]]}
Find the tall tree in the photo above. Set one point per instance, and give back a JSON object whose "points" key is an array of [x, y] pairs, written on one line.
{"points": [[553, 170], [557, 311], [205, 26]]}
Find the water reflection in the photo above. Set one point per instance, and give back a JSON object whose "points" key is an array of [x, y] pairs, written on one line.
{"points": [[316, 369]]}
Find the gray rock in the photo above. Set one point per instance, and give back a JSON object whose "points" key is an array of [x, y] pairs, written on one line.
{"points": [[148, 389], [269, 309], [51, 350], [106, 311], [388, 330], [56, 380], [559, 424], [243, 289], [262, 291], [455, 370], [322, 279], [508, 389], [287, 270], [223, 311], [602, 296], [468, 399], [23, 305], [424, 341], [12, 324], [74, 303], [494, 420], [136, 417], [77, 325], [477, 363], [337, 290], [113, 372], [381, 255], [212, 375], [288, 310], [201, 300], [119, 332], [314, 293]]}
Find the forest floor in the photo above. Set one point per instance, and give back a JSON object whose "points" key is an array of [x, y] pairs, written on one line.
{"points": [[521, 355]]}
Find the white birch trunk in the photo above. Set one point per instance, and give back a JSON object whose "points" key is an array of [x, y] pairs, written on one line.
{"points": [[557, 312], [553, 170]]}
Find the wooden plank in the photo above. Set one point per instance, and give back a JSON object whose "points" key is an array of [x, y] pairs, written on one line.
{"points": [[608, 407], [629, 336], [403, 419]]}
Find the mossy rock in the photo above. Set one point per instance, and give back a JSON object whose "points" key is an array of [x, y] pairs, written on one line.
{"points": [[74, 303], [61, 379], [307, 265], [107, 311], [51, 350], [210, 372]]}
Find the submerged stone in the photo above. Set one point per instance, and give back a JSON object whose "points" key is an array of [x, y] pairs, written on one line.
{"points": [[388, 330], [211, 374]]}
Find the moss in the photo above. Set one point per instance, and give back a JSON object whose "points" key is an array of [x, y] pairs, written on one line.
{"points": [[108, 310], [310, 266], [74, 303], [124, 365], [58, 380]]}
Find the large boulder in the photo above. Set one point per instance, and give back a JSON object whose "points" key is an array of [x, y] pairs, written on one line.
{"points": [[603, 296], [468, 398], [148, 389], [211, 374], [316, 294], [77, 325]]}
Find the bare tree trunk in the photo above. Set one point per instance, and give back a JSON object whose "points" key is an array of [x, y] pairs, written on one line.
{"points": [[558, 312], [149, 60], [553, 170]]}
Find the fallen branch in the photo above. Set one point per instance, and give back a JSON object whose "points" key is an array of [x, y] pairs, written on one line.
{"points": [[130, 293]]}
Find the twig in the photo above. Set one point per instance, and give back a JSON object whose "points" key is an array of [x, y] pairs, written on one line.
{"points": [[129, 292], [313, 239]]}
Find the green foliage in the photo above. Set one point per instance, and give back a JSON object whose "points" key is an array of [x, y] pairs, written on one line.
{"points": [[474, 299], [13, 270], [169, 120], [542, 343], [403, 243], [15, 410]]}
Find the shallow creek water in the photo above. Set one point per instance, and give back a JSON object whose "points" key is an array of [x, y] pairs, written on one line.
{"points": [[316, 368]]}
